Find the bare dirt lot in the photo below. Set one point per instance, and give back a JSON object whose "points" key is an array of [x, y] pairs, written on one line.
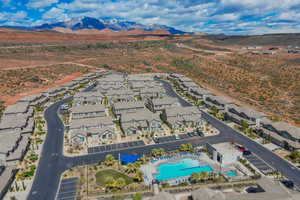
{"points": [[269, 83]]}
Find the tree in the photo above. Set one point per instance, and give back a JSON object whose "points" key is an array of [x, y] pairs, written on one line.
{"points": [[120, 183], [186, 147], [138, 196], [105, 101], [294, 155], [109, 182], [157, 152], [138, 176], [203, 176], [220, 116], [109, 160], [214, 110], [244, 125], [195, 177], [131, 168]]}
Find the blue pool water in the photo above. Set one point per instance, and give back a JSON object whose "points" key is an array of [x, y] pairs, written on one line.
{"points": [[231, 173], [184, 167]]}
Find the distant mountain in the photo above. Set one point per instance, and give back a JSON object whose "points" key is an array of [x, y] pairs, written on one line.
{"points": [[100, 24]]}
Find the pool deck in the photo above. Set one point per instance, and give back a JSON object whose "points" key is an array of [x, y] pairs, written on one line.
{"points": [[150, 170]]}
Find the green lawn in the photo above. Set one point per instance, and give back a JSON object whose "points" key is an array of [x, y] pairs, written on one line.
{"points": [[101, 176]]}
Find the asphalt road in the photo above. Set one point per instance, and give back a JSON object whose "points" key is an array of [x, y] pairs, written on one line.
{"points": [[53, 163]]}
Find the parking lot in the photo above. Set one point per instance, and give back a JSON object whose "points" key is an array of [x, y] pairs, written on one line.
{"points": [[67, 189], [112, 147], [176, 137], [259, 164]]}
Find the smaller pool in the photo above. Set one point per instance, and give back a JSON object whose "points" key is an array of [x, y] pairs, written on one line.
{"points": [[231, 173]]}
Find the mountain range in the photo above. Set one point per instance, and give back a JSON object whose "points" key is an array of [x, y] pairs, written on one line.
{"points": [[89, 23]]}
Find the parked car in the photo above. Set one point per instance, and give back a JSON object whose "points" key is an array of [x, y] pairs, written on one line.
{"points": [[177, 137], [155, 139], [246, 152]]}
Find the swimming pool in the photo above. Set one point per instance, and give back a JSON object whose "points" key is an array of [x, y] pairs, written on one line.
{"points": [[182, 168], [231, 173]]}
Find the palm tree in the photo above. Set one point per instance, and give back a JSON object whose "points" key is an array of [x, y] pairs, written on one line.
{"points": [[144, 159], [186, 147], [109, 160], [131, 168], [157, 152], [120, 183], [138, 176], [109, 182], [195, 177], [205, 175]]}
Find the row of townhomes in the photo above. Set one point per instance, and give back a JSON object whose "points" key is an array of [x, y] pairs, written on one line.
{"points": [[280, 133], [18, 123], [128, 105]]}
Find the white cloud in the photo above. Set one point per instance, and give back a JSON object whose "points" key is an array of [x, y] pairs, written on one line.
{"points": [[20, 15], [38, 4], [214, 16], [56, 14], [227, 17], [292, 15]]}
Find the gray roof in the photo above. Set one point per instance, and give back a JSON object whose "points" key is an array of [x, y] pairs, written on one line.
{"points": [[80, 79], [185, 79], [183, 114], [129, 105], [91, 122], [248, 111], [29, 127], [201, 91], [176, 111], [273, 191], [140, 77], [150, 84], [20, 107], [14, 121], [88, 94], [104, 87], [284, 126], [119, 92], [88, 75], [113, 78], [92, 131], [163, 196], [220, 99], [152, 90], [6, 176], [19, 151], [8, 140], [70, 84], [32, 98], [205, 193], [165, 101], [190, 84], [176, 75], [55, 90], [88, 108], [140, 115]]}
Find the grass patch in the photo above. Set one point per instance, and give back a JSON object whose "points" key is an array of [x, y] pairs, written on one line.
{"points": [[102, 176]]}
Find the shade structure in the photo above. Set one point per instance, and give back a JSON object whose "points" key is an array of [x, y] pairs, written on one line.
{"points": [[125, 158]]}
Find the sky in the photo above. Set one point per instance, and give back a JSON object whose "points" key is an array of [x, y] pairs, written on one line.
{"points": [[209, 16]]}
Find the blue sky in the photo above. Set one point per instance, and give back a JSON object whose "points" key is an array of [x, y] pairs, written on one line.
{"points": [[210, 16]]}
